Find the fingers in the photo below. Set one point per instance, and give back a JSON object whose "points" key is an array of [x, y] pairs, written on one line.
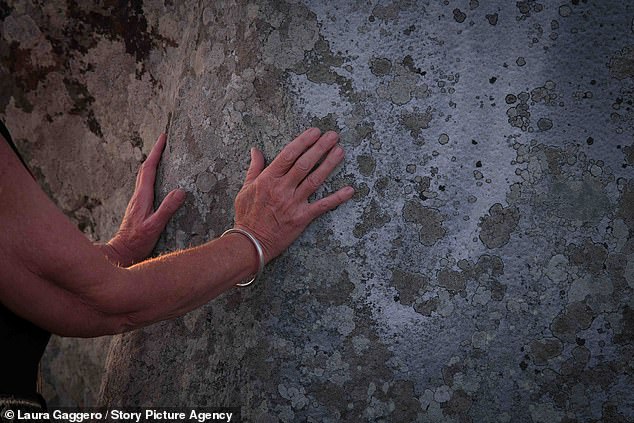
{"points": [[147, 173], [168, 207], [307, 161], [153, 159], [326, 204], [256, 166], [289, 154], [313, 181]]}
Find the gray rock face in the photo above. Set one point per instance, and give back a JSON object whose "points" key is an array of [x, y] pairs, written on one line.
{"points": [[482, 272]]}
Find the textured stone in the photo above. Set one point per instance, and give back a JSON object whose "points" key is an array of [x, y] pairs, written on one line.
{"points": [[483, 270], [498, 225]]}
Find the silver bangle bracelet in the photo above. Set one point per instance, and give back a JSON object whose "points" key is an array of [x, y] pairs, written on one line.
{"points": [[258, 248]]}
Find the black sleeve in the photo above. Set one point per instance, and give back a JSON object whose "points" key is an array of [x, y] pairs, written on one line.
{"points": [[7, 136]]}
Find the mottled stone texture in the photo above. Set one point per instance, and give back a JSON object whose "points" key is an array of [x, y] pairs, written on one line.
{"points": [[484, 270]]}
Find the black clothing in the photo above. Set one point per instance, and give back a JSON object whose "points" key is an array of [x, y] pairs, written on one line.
{"points": [[7, 136], [21, 342]]}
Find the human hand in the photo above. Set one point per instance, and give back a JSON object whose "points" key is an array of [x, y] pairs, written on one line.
{"points": [[273, 202], [141, 225]]}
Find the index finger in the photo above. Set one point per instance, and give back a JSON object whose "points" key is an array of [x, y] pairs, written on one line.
{"points": [[289, 154], [154, 157], [147, 173]]}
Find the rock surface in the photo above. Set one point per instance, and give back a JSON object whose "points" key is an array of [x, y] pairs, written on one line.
{"points": [[482, 272]]}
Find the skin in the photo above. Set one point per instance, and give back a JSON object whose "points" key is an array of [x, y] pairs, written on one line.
{"points": [[53, 276]]}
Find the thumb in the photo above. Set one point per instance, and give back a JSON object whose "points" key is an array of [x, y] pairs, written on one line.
{"points": [[166, 210], [256, 167]]}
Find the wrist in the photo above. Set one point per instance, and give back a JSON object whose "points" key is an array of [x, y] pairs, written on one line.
{"points": [[117, 253], [266, 249], [110, 253], [255, 259]]}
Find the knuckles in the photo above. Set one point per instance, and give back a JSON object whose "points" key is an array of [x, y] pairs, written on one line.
{"points": [[313, 182], [287, 156], [303, 164], [324, 207]]}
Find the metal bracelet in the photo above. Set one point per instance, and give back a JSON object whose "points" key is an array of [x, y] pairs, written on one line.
{"points": [[258, 248]]}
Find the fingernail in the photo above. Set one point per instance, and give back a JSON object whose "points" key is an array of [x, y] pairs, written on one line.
{"points": [[348, 190], [180, 194], [338, 151]]}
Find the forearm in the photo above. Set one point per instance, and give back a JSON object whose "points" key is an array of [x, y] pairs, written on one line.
{"points": [[174, 284], [94, 298]]}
